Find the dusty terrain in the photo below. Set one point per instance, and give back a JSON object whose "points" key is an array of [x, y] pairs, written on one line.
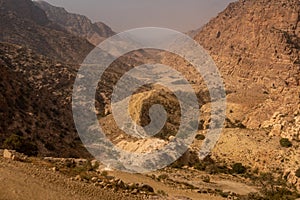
{"points": [[53, 178]]}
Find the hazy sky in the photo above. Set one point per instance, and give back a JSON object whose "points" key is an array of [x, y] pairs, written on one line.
{"points": [[181, 15]]}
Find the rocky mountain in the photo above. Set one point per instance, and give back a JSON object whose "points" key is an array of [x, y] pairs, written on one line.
{"points": [[25, 24], [76, 24], [256, 46]]}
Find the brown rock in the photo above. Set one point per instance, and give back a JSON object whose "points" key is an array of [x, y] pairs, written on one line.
{"points": [[9, 154]]}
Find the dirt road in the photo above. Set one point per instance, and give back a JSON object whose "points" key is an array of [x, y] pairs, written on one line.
{"points": [[24, 181]]}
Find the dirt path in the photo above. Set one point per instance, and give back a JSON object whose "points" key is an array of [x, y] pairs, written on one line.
{"points": [[23, 181], [171, 191], [37, 181]]}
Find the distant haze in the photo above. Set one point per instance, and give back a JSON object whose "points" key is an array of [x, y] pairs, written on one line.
{"points": [[120, 15]]}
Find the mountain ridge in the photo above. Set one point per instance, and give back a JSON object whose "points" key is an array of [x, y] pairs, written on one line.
{"points": [[76, 24], [33, 30]]}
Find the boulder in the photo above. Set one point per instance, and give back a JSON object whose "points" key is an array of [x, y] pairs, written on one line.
{"points": [[9, 154]]}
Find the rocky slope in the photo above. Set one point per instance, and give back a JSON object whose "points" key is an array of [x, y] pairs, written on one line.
{"points": [[255, 44], [25, 24], [36, 104], [78, 25], [36, 84], [36, 98]]}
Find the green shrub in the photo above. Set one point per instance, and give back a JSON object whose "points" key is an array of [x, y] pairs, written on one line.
{"points": [[238, 168], [21, 145], [200, 137], [284, 142]]}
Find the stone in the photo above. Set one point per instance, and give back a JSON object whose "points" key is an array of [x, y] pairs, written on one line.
{"points": [[13, 155], [78, 178], [54, 169], [94, 179], [8, 154]]}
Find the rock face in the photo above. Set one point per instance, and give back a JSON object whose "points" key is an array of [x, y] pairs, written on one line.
{"points": [[78, 25], [25, 24], [266, 31]]}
